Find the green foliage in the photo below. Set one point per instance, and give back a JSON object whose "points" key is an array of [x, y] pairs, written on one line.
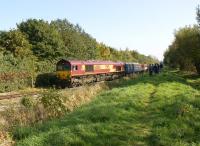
{"points": [[79, 44], [56, 139], [185, 50], [198, 15], [16, 73], [45, 39], [109, 53], [53, 103], [20, 132], [147, 111], [15, 42], [58, 39], [27, 102]]}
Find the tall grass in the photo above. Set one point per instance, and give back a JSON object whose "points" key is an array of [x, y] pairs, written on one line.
{"points": [[162, 110], [49, 104]]}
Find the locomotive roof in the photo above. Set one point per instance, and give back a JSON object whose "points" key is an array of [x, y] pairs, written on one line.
{"points": [[89, 62], [131, 63]]}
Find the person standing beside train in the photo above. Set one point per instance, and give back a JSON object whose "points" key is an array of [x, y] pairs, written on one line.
{"points": [[150, 69], [161, 66]]}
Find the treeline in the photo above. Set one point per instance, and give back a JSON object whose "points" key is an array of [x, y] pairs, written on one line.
{"points": [[35, 46], [58, 39], [184, 52]]}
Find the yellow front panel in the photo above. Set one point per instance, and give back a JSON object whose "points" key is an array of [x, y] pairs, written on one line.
{"points": [[63, 75]]}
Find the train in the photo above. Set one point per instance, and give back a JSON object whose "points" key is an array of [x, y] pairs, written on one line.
{"points": [[72, 73]]}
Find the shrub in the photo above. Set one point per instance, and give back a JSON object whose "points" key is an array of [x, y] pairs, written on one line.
{"points": [[27, 102], [53, 103]]}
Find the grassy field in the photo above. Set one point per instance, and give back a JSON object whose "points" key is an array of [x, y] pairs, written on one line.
{"points": [[162, 110]]}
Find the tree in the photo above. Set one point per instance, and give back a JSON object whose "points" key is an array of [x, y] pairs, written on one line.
{"points": [[45, 39], [16, 43], [198, 15], [198, 20], [104, 51], [185, 50], [188, 41], [80, 44]]}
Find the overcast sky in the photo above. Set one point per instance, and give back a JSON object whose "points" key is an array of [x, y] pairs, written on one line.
{"points": [[143, 25]]}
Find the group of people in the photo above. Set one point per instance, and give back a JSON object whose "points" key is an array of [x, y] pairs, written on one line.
{"points": [[155, 68]]}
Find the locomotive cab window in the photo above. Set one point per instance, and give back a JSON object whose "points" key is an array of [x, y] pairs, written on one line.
{"points": [[75, 67], [89, 68], [63, 67], [59, 67], [66, 67]]}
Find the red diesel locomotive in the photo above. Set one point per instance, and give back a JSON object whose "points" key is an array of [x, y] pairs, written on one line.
{"points": [[76, 73]]}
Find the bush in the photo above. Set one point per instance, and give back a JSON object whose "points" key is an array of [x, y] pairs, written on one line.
{"points": [[53, 103], [14, 84], [27, 102]]}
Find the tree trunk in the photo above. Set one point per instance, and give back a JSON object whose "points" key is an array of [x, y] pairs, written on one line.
{"points": [[197, 65]]}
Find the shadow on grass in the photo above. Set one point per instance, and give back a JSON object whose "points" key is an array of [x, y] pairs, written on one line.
{"points": [[194, 81]]}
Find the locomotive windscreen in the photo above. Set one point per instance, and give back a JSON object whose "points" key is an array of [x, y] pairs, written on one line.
{"points": [[63, 67]]}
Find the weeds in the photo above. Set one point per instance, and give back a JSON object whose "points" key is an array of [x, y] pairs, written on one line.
{"points": [[28, 102], [53, 104], [158, 110]]}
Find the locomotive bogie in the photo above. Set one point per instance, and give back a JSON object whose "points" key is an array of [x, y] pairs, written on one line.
{"points": [[87, 79]]}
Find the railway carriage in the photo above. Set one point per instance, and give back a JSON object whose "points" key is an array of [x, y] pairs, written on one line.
{"points": [[131, 67], [75, 73]]}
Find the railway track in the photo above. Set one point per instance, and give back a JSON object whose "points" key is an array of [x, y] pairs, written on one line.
{"points": [[16, 95]]}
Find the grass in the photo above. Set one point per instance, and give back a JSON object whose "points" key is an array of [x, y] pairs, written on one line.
{"points": [[162, 110]]}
